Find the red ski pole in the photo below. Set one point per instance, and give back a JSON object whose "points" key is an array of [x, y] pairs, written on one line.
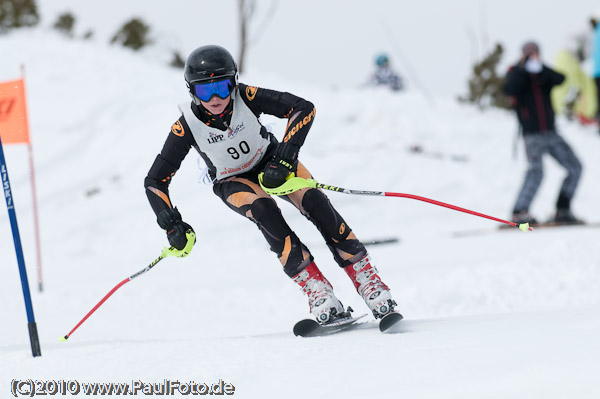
{"points": [[296, 183], [191, 236]]}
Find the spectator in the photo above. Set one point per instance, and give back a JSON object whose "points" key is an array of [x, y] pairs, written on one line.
{"points": [[576, 96], [529, 83], [596, 57], [384, 75]]}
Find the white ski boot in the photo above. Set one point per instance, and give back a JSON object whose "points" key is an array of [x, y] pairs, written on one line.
{"points": [[324, 306], [369, 286]]}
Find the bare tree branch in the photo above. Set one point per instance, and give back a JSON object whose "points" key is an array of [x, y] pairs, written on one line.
{"points": [[246, 11], [262, 27]]}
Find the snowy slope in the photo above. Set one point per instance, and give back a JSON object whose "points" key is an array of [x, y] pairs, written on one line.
{"points": [[506, 314], [432, 43]]}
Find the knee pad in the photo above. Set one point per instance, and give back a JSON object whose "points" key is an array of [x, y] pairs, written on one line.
{"points": [[320, 211], [293, 255], [265, 209]]}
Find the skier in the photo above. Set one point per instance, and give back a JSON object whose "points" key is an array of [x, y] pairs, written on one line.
{"points": [[384, 75], [529, 83], [221, 123]]}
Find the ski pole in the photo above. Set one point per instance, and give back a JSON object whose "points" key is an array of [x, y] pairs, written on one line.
{"points": [[294, 183], [191, 237]]}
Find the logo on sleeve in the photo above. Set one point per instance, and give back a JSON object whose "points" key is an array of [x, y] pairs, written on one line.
{"points": [[251, 92], [177, 129], [298, 126]]}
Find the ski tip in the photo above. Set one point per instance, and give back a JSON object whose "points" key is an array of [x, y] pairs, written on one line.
{"points": [[388, 321], [63, 339], [305, 327]]}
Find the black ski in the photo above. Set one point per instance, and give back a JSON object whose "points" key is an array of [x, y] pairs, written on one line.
{"points": [[390, 323], [418, 149], [381, 241], [544, 225], [311, 328], [552, 223]]}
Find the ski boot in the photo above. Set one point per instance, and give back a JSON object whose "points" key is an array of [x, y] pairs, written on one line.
{"points": [[324, 306], [369, 286], [523, 217], [566, 217]]}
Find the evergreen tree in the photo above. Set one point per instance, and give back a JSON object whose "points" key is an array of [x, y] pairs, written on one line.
{"points": [[17, 14], [485, 85], [88, 35], [134, 34], [65, 24], [177, 61]]}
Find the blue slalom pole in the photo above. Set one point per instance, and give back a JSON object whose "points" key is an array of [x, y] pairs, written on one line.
{"points": [[33, 334]]}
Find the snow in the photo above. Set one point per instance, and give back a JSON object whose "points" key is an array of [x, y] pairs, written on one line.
{"points": [[431, 42], [499, 315]]}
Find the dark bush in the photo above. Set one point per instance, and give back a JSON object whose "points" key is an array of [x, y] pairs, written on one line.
{"points": [[134, 34], [65, 24], [177, 61], [17, 14], [88, 35], [485, 85]]}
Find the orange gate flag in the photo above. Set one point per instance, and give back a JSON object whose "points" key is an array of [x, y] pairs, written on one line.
{"points": [[13, 112]]}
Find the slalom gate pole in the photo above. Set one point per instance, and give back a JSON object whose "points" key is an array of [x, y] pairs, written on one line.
{"points": [[31, 325], [296, 183], [165, 253], [36, 223]]}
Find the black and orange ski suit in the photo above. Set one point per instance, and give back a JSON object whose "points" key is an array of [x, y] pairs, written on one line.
{"points": [[242, 192]]}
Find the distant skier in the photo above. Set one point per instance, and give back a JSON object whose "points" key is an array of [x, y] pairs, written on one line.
{"points": [[221, 123], [384, 75], [529, 82]]}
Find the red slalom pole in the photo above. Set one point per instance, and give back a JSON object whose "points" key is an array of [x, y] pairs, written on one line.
{"points": [[191, 236], [522, 226], [456, 208], [96, 307], [294, 183], [122, 283]]}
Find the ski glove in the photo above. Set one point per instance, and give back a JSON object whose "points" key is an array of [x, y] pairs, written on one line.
{"points": [[284, 162], [170, 221]]}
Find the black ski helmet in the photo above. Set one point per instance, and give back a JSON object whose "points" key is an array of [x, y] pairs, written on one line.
{"points": [[208, 63]]}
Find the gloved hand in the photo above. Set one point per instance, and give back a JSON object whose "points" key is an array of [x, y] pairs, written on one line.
{"points": [[284, 162], [170, 220]]}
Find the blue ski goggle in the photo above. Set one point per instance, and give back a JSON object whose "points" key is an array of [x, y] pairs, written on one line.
{"points": [[205, 91]]}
